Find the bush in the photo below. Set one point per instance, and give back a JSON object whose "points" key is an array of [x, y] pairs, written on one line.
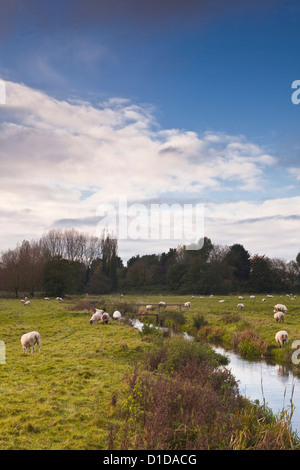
{"points": [[249, 344], [172, 319], [194, 406]]}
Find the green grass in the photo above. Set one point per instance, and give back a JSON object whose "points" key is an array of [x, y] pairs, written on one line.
{"points": [[226, 324], [69, 395], [65, 396]]}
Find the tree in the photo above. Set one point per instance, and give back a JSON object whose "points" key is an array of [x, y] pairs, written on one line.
{"points": [[239, 260], [11, 270], [261, 279]]}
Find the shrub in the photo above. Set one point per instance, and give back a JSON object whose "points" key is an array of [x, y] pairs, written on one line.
{"points": [[249, 344], [172, 319]]}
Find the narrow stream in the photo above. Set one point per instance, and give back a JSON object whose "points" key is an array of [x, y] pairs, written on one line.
{"points": [[272, 384]]}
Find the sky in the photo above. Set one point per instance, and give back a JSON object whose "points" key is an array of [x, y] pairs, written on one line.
{"points": [[182, 103]]}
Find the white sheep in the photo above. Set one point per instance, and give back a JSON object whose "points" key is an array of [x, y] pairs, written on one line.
{"points": [[221, 301], [97, 310], [105, 318], [148, 307], [281, 337], [187, 304], [279, 316], [27, 302], [280, 308], [96, 317], [162, 304], [240, 306], [30, 340], [241, 297], [117, 315], [252, 296], [59, 299]]}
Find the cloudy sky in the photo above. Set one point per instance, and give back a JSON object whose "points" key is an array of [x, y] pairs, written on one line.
{"points": [[157, 101]]}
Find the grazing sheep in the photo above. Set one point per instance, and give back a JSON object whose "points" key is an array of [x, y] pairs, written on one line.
{"points": [[162, 304], [117, 315], [46, 298], [279, 316], [280, 308], [187, 304], [263, 300], [30, 340], [97, 310], [59, 299], [241, 297], [281, 337], [105, 318], [27, 302], [96, 317], [221, 301], [148, 307], [240, 306], [252, 296]]}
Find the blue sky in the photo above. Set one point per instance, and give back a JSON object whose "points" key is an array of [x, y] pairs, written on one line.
{"points": [[159, 101]]}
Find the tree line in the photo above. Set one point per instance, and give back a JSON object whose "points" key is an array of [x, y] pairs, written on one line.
{"points": [[71, 262]]}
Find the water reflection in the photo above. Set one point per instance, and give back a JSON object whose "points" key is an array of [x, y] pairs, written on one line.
{"points": [[274, 385]]}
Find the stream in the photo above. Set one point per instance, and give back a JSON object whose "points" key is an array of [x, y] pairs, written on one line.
{"points": [[273, 385]]}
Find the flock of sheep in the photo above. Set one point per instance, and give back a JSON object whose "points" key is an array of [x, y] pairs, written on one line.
{"points": [[29, 340], [281, 336], [33, 338]]}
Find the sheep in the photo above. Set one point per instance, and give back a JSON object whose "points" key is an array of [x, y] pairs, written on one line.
{"points": [[280, 307], [221, 301], [46, 298], [240, 306], [117, 315], [96, 317], [97, 310], [59, 299], [252, 296], [105, 318], [30, 340], [241, 297], [27, 302], [162, 304], [281, 337], [279, 316], [187, 304], [148, 307]]}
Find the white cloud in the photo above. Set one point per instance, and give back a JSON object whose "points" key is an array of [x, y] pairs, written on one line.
{"points": [[52, 152]]}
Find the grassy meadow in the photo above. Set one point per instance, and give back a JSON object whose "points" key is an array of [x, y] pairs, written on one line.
{"points": [[65, 396], [70, 394]]}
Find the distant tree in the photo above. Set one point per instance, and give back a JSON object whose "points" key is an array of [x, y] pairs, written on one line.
{"points": [[261, 279], [62, 277], [239, 260], [10, 267]]}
